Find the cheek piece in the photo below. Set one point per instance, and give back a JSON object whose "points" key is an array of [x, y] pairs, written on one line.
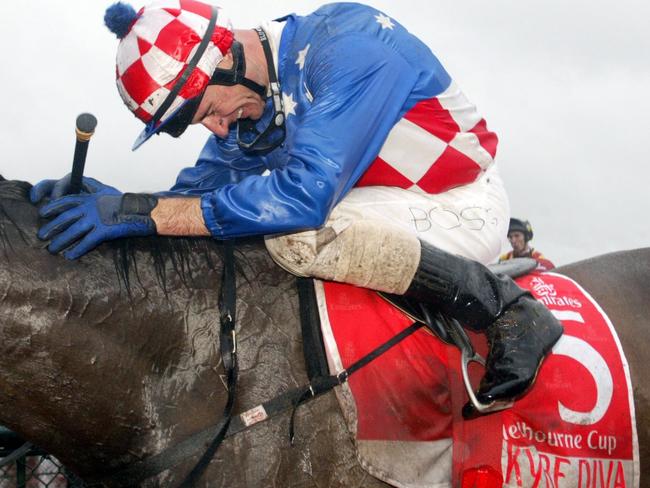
{"points": [[249, 138], [235, 75]]}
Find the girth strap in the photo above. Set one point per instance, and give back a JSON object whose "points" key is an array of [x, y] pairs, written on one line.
{"points": [[313, 347]]}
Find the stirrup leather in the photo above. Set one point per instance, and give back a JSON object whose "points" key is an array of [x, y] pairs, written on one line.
{"points": [[450, 332]]}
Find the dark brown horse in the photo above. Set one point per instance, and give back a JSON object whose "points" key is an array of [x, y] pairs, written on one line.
{"points": [[113, 358]]}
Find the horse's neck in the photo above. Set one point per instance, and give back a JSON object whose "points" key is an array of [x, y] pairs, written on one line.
{"points": [[118, 351], [109, 350], [84, 360]]}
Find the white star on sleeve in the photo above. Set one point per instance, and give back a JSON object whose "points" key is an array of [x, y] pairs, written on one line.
{"points": [[302, 55], [289, 104], [385, 21]]}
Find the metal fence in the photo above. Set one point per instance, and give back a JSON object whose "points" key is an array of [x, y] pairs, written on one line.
{"points": [[31, 467]]}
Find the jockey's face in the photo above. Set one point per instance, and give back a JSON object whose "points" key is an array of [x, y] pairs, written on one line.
{"points": [[221, 106], [517, 241]]}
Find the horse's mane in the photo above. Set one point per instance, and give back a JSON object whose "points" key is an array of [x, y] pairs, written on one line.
{"points": [[14, 190], [182, 253]]}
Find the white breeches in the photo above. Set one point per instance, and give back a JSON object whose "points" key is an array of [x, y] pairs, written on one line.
{"points": [[372, 237]]}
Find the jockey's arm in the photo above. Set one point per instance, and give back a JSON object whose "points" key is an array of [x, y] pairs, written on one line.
{"points": [[332, 144], [179, 217], [354, 108], [335, 138]]}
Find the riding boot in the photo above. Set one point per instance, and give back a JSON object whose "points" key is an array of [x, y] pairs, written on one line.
{"points": [[520, 330]]}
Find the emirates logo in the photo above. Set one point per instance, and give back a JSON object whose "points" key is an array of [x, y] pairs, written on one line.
{"points": [[547, 294], [543, 289]]}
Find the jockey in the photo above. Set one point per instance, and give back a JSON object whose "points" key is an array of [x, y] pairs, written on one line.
{"points": [[339, 137], [520, 233]]}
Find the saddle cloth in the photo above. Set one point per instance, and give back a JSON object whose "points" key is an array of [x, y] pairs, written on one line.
{"points": [[576, 428]]}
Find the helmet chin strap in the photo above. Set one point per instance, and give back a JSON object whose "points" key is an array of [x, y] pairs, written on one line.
{"points": [[274, 134]]}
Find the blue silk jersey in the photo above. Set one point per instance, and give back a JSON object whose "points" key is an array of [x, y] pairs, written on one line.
{"points": [[348, 73]]}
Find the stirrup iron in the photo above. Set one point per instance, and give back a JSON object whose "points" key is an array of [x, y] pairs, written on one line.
{"points": [[455, 335]]}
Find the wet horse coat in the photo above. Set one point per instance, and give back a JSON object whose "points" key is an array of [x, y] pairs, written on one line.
{"points": [[113, 358]]}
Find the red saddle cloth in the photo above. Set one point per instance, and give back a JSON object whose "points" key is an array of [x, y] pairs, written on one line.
{"points": [[574, 429]]}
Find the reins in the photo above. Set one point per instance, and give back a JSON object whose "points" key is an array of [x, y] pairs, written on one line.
{"points": [[209, 439], [228, 347]]}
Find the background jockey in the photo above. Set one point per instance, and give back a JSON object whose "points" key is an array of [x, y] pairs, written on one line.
{"points": [[341, 138], [520, 233]]}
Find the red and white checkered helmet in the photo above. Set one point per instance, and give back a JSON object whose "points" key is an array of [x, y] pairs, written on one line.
{"points": [[157, 44]]}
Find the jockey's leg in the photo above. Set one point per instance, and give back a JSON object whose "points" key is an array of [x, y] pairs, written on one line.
{"points": [[402, 242], [367, 253], [520, 330]]}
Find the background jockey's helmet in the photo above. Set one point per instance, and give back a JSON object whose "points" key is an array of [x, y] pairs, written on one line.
{"points": [[156, 45], [517, 225]]}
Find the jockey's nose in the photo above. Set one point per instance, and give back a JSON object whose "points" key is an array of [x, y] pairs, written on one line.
{"points": [[217, 125]]}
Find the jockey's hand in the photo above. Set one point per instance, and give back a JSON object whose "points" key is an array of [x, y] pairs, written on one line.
{"points": [[79, 223], [53, 189]]}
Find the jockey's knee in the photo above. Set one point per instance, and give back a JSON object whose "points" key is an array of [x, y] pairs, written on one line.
{"points": [[365, 253], [296, 253]]}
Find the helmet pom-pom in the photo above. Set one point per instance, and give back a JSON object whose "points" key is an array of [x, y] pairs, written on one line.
{"points": [[119, 17]]}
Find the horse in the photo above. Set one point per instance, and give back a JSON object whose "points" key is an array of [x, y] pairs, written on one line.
{"points": [[112, 359]]}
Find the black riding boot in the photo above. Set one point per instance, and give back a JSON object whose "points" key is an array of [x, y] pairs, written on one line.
{"points": [[520, 330]]}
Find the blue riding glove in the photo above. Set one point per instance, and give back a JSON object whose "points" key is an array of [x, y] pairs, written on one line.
{"points": [[54, 189], [79, 223]]}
